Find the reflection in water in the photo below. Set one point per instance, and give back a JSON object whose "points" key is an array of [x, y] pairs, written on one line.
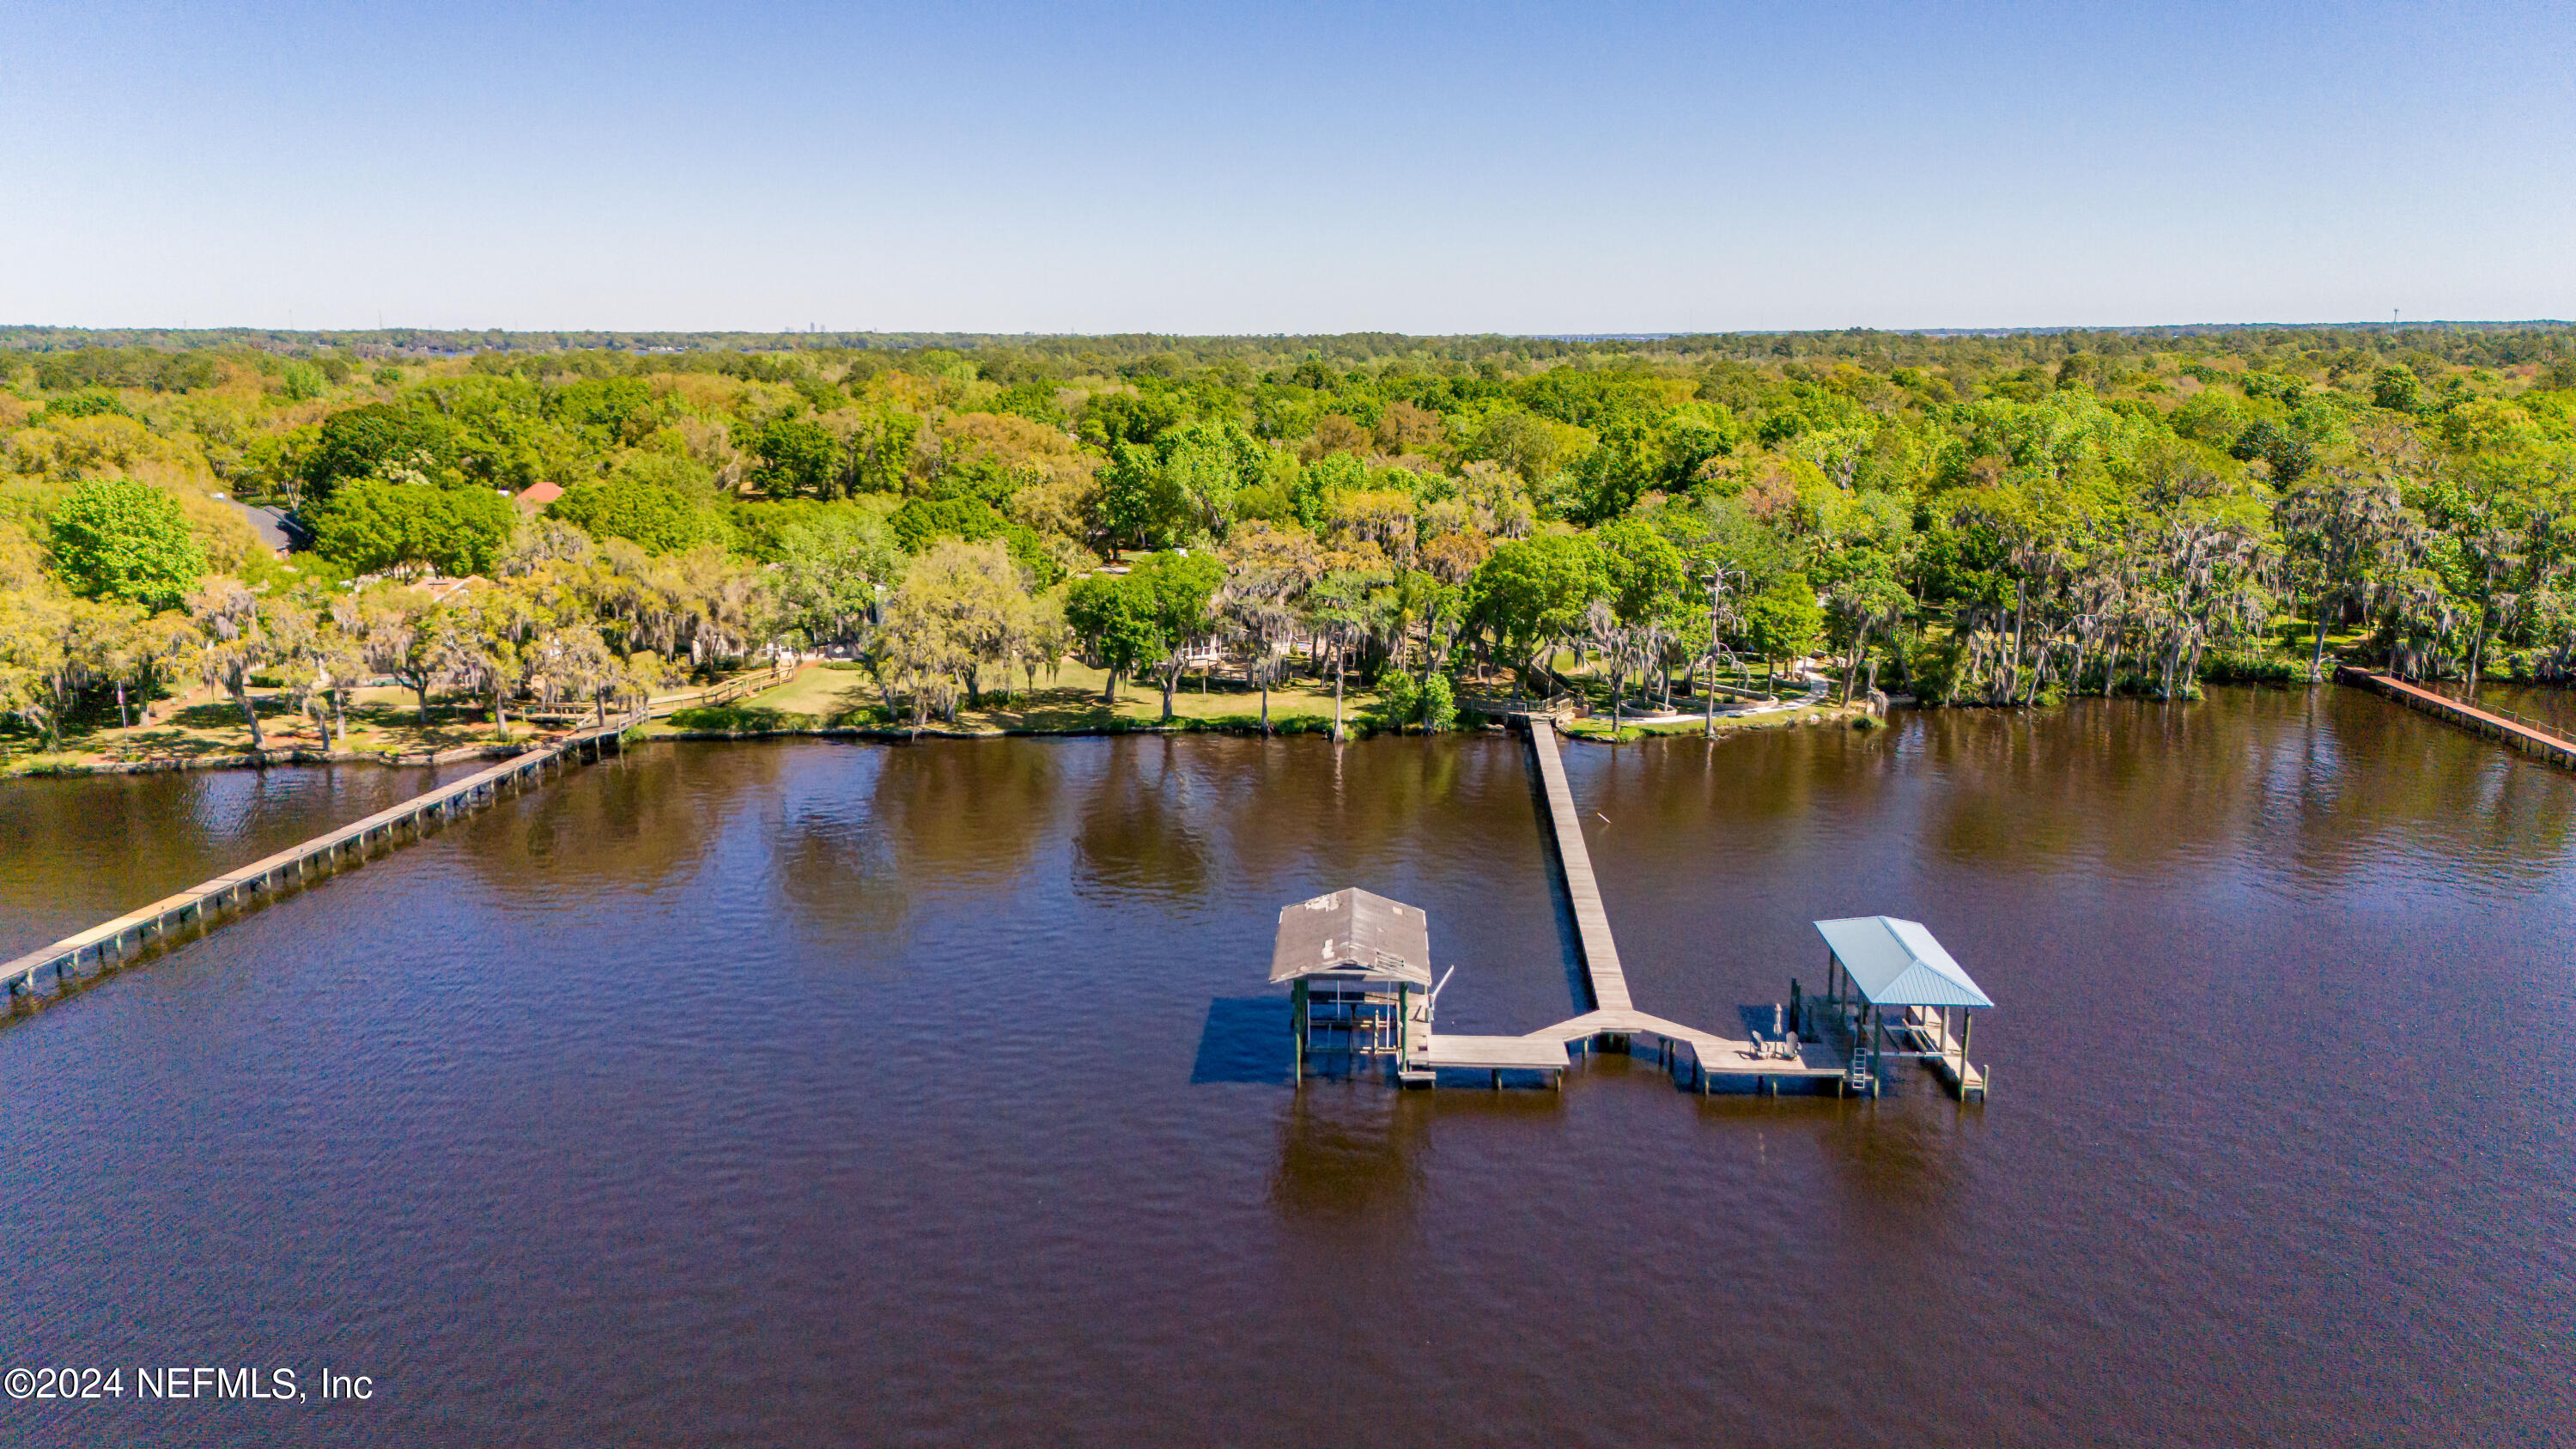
{"points": [[1139, 832], [83, 849], [962, 816], [650, 815], [1348, 1151], [941, 1090]]}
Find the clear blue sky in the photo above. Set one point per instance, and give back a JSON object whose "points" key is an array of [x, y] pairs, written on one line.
{"points": [[1306, 167]]}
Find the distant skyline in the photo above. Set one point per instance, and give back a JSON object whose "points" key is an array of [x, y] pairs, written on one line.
{"points": [[1426, 169]]}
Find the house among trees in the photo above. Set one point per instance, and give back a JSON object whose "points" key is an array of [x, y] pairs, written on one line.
{"points": [[532, 500]]}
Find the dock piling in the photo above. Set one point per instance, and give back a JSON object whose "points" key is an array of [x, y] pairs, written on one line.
{"points": [[236, 889]]}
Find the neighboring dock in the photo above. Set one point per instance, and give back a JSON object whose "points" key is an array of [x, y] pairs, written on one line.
{"points": [[202, 904], [2528, 736]]}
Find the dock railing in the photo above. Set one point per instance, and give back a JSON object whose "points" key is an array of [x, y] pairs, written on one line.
{"points": [[131, 932], [2541, 726], [2530, 736], [741, 686]]}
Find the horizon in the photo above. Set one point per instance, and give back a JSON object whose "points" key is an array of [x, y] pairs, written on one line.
{"points": [[12, 333]]}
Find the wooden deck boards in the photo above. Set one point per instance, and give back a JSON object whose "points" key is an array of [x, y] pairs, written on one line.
{"points": [[1613, 1013], [1591, 922], [1931, 1033], [20, 973], [2520, 736], [1482, 1053]]}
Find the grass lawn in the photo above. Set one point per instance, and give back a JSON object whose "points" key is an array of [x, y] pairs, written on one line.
{"points": [[1069, 700], [1598, 727], [202, 723]]}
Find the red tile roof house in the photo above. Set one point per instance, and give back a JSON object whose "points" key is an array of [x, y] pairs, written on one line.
{"points": [[538, 495]]}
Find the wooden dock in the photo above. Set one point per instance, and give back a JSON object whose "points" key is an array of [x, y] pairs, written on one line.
{"points": [[1928, 1036], [1591, 923], [1613, 1017], [203, 904], [2530, 739]]}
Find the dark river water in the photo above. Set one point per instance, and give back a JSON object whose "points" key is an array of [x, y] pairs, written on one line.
{"points": [[810, 1093]]}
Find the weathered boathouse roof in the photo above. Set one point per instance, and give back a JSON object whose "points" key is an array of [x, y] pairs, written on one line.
{"points": [[1897, 963], [1353, 931]]}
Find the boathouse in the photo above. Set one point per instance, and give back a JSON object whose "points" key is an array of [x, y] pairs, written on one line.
{"points": [[1354, 963], [1889, 990]]}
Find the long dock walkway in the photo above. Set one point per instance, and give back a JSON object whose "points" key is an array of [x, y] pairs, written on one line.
{"points": [[1591, 922], [1614, 1014], [129, 933], [2537, 743]]}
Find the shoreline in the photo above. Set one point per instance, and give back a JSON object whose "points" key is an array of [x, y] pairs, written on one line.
{"points": [[1836, 715], [270, 759], [1846, 716]]}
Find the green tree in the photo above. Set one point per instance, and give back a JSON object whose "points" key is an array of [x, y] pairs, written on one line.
{"points": [[2289, 457], [397, 635], [2344, 540], [372, 526], [881, 452], [1140, 500], [233, 644], [832, 572], [1785, 620], [959, 611], [662, 520], [2397, 388], [920, 521], [1344, 609], [483, 643], [1145, 619], [1530, 593], [119, 539], [620, 409], [1178, 589], [359, 442], [1109, 620], [797, 456]]}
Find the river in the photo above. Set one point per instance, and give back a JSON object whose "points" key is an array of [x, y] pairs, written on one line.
{"points": [[807, 1092]]}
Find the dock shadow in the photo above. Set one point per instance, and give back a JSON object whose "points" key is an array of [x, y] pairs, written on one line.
{"points": [[1757, 1018], [1246, 1040], [1569, 930]]}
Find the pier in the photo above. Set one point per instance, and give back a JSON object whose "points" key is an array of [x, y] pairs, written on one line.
{"points": [[1808, 1048], [2528, 737], [1609, 984], [204, 905]]}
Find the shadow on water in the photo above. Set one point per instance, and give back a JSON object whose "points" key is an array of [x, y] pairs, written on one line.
{"points": [[1569, 933], [1246, 1039]]}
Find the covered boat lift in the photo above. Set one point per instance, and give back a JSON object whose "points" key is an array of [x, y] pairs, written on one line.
{"points": [[1356, 965], [1890, 988]]}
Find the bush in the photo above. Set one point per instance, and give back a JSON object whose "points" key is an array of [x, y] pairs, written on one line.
{"points": [[1439, 705], [741, 719], [2234, 668], [1402, 702]]}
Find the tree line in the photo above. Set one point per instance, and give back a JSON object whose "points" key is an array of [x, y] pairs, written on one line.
{"points": [[1997, 519]]}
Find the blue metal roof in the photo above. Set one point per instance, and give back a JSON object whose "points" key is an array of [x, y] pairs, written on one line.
{"points": [[1897, 963]]}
